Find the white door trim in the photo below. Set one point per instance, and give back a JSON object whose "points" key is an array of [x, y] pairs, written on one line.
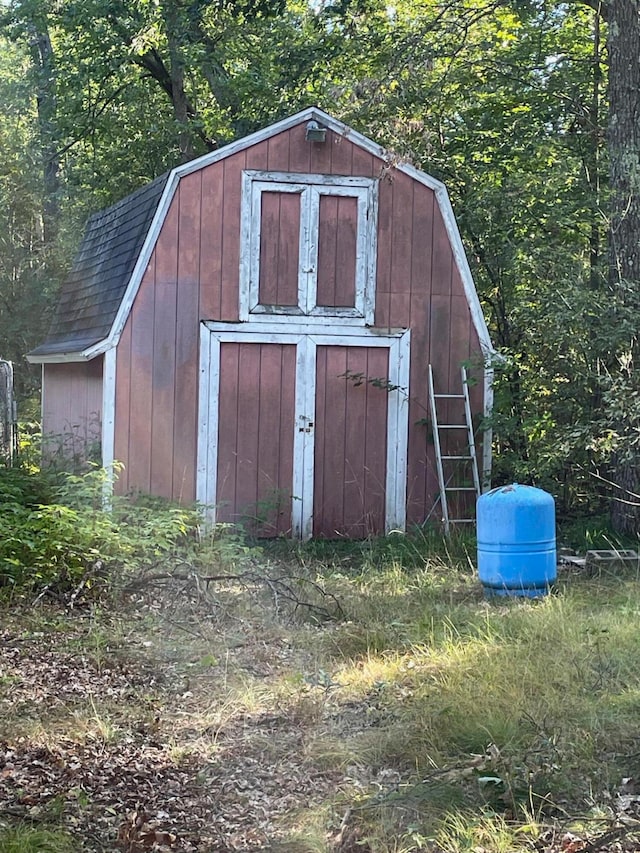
{"points": [[304, 442], [306, 340]]}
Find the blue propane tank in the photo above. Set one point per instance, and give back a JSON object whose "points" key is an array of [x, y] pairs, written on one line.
{"points": [[516, 541]]}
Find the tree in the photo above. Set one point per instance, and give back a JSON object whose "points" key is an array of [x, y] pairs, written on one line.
{"points": [[623, 47], [24, 248]]}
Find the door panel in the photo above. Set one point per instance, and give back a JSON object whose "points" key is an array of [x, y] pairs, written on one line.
{"points": [[255, 436], [350, 442], [337, 250], [279, 249], [309, 246]]}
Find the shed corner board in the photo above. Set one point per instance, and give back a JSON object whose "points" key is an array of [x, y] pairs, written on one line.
{"points": [[109, 420], [143, 258]]}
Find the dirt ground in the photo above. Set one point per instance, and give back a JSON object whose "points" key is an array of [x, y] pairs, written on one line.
{"points": [[170, 720], [157, 727]]}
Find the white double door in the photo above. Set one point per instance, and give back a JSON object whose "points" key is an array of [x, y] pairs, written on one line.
{"points": [[303, 433]]}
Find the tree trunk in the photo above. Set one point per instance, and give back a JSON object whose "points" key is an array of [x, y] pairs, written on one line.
{"points": [[623, 45], [592, 162], [181, 105], [43, 63]]}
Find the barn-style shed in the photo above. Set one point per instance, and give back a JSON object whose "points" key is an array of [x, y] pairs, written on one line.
{"points": [[253, 330]]}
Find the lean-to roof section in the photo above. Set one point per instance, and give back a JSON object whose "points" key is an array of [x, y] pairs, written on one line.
{"points": [[102, 269]]}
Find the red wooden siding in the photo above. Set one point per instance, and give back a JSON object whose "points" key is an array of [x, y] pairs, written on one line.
{"points": [[186, 337], [255, 437], [72, 409], [193, 276], [133, 415], [208, 239], [232, 169], [279, 241], [350, 442], [163, 369], [419, 286], [337, 231]]}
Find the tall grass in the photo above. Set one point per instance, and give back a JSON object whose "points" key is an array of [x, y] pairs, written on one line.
{"points": [[548, 691]]}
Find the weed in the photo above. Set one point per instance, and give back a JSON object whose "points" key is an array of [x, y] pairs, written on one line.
{"points": [[468, 832], [26, 839], [592, 532], [96, 724], [70, 543]]}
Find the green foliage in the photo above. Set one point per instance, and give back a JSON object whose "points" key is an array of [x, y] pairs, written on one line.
{"points": [[74, 539], [26, 264], [594, 532], [420, 548], [24, 487], [55, 543], [506, 104], [27, 839]]}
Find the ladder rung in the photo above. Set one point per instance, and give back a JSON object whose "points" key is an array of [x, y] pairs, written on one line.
{"points": [[469, 458]]}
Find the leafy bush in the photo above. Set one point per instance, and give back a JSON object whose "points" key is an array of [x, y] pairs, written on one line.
{"points": [[72, 538], [27, 488]]}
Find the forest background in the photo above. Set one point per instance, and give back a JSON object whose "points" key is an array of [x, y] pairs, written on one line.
{"points": [[528, 110]]}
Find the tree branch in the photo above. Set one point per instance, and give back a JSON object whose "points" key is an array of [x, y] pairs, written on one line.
{"points": [[599, 6]]}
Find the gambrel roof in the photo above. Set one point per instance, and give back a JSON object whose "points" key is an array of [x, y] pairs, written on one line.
{"points": [[118, 243], [90, 298]]}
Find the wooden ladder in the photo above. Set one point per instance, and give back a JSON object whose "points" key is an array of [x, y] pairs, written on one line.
{"points": [[448, 466]]}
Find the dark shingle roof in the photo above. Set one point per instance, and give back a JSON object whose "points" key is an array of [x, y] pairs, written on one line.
{"points": [[90, 298]]}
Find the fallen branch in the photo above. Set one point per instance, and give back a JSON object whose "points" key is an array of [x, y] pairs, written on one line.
{"points": [[614, 834], [282, 588]]}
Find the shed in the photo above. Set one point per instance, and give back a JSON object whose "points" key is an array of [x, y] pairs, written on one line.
{"points": [[253, 331]]}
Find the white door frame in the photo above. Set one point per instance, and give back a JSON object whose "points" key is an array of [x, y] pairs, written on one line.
{"points": [[306, 339], [310, 188]]}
